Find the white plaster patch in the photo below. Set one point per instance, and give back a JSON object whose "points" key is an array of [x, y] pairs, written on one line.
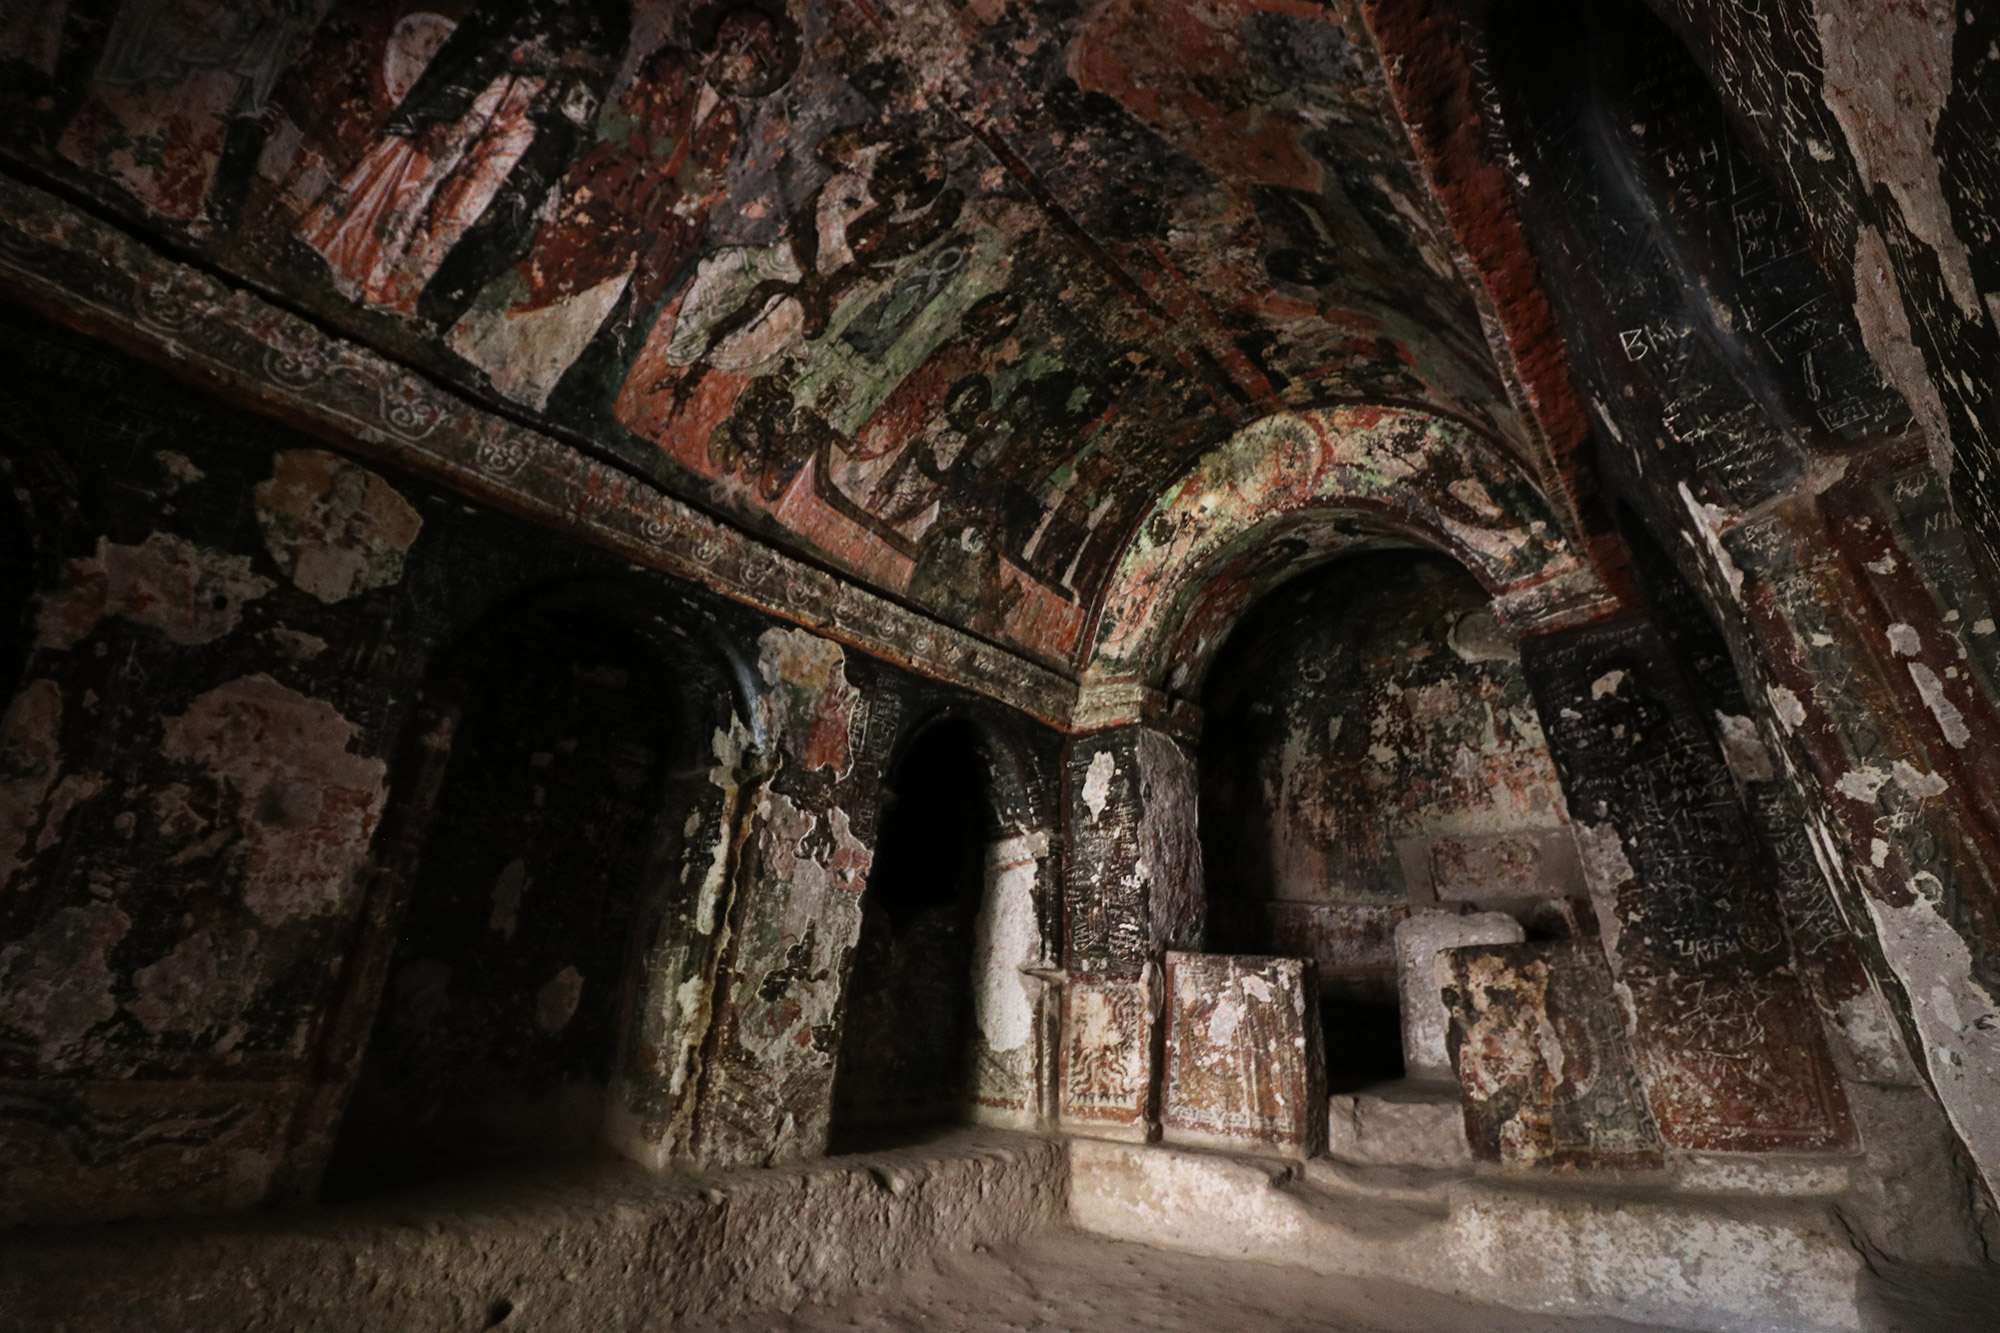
{"points": [[1918, 784], [1888, 74], [1878, 853], [507, 889], [1861, 784], [303, 804], [555, 1002], [1743, 749], [204, 983], [1710, 521], [1955, 1016], [1223, 1021], [1605, 870], [1097, 783], [1885, 565], [1786, 705], [1885, 329], [1904, 641], [335, 528], [56, 984], [1607, 683], [189, 593], [1949, 719], [1006, 938], [728, 747]]}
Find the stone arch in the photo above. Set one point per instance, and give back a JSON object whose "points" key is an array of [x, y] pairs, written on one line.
{"points": [[676, 799], [1295, 489]]}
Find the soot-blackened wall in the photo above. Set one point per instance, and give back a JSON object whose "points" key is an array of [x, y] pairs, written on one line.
{"points": [[511, 978], [227, 763]]}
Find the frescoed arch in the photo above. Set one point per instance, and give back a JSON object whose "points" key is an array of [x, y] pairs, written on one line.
{"points": [[1296, 489]]}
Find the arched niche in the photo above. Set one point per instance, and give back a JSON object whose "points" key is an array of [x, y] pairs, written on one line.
{"points": [[945, 1019], [544, 899], [1297, 489], [1370, 756]]}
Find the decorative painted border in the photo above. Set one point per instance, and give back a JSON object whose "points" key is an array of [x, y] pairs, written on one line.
{"points": [[96, 278]]}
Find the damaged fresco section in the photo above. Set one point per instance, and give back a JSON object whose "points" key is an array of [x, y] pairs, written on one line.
{"points": [[1881, 119], [1371, 753], [1781, 432], [797, 913], [1730, 1047], [1294, 490], [1243, 1064], [882, 285], [222, 768], [160, 988], [1537, 1038]]}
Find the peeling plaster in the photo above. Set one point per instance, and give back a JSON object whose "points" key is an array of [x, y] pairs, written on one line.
{"points": [[1097, 783], [1885, 328], [1949, 719], [1888, 75], [1957, 1016], [30, 761], [334, 528], [1743, 749], [812, 700], [189, 593], [204, 983], [302, 804], [56, 985], [1711, 521], [1606, 869]]}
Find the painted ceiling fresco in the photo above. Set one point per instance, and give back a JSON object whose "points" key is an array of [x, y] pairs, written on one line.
{"points": [[943, 296]]}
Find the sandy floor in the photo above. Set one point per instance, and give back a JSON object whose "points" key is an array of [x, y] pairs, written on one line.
{"points": [[1071, 1283]]}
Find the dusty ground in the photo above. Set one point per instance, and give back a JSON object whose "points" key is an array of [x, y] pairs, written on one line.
{"points": [[1067, 1282]]}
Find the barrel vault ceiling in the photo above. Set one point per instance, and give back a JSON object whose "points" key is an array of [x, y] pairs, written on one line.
{"points": [[943, 296]]}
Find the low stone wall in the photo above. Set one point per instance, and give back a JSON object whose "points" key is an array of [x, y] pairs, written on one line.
{"points": [[599, 1247]]}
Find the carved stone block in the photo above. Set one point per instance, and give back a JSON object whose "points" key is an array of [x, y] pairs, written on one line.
{"points": [[1538, 1041], [1245, 1067], [1107, 1066], [1419, 939]]}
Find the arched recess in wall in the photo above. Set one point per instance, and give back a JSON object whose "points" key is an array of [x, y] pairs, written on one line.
{"points": [[941, 1023], [1371, 754], [541, 902], [1295, 490]]}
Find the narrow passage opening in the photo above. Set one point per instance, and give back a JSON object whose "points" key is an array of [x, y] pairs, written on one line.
{"points": [[907, 1039]]}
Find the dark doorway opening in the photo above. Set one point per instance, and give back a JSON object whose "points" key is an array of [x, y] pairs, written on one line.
{"points": [[500, 1021], [906, 1043]]}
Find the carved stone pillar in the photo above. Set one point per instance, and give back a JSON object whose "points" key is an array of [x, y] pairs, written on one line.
{"points": [[1728, 1044], [1132, 891]]}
